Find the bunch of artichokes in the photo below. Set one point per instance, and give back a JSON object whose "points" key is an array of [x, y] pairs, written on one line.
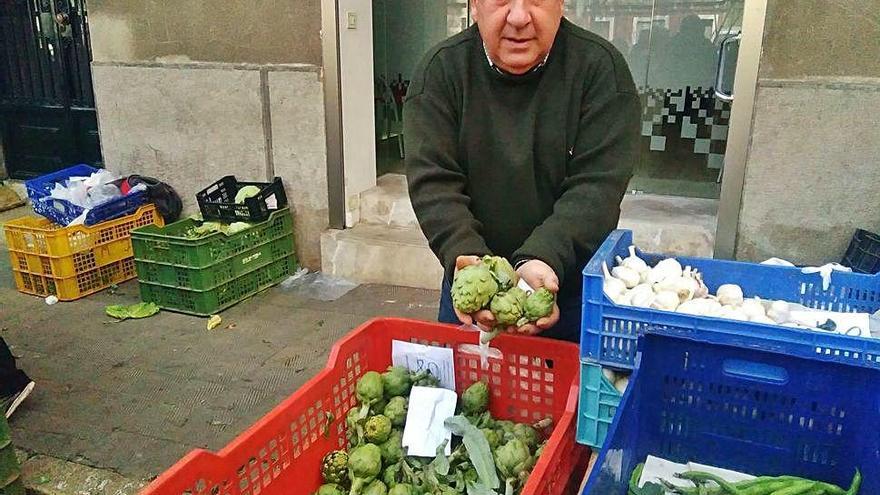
{"points": [[376, 463], [492, 284]]}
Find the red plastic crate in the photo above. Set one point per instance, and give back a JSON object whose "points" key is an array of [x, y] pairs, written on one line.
{"points": [[281, 453]]}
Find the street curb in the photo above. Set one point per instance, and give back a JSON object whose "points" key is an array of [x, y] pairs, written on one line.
{"points": [[44, 475]]}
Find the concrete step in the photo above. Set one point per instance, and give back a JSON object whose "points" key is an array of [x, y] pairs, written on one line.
{"points": [[670, 224], [381, 254], [388, 203]]}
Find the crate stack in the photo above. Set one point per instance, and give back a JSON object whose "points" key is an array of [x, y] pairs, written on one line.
{"points": [[758, 398], [73, 261], [10, 471], [205, 274]]}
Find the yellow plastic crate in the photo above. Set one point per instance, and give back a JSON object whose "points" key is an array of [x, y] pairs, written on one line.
{"points": [[78, 286], [39, 247]]}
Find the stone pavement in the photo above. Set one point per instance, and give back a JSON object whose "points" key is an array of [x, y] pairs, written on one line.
{"points": [[133, 397]]}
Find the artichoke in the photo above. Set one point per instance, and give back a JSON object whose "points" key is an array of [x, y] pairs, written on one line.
{"points": [[378, 407], [334, 467], [502, 271], [492, 436], [330, 489], [364, 464], [396, 410], [475, 399], [396, 381], [376, 488], [425, 379], [507, 307], [392, 475], [538, 304], [402, 489], [504, 429], [513, 458], [369, 388], [392, 449], [377, 429], [473, 288], [527, 434]]}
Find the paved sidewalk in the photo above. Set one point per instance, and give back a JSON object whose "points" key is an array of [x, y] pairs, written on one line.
{"points": [[134, 397]]}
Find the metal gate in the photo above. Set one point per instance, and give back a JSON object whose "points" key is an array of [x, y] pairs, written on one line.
{"points": [[47, 107]]}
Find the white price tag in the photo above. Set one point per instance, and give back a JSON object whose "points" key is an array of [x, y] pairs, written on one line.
{"points": [[418, 357]]}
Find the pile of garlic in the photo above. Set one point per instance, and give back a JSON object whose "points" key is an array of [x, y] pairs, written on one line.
{"points": [[669, 286]]}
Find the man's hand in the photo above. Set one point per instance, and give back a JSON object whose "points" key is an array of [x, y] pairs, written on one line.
{"points": [[538, 274], [483, 317]]}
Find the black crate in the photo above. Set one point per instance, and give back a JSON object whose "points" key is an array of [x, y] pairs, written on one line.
{"points": [[863, 254], [217, 201]]}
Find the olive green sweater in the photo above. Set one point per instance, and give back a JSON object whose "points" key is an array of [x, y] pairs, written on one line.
{"points": [[531, 166]]}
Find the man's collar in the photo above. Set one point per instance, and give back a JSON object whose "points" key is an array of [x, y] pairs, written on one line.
{"points": [[504, 72]]}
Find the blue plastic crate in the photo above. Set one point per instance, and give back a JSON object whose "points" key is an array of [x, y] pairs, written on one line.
{"points": [[609, 332], [596, 407], [63, 212], [745, 409]]}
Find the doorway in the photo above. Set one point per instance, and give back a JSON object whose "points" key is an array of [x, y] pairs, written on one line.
{"points": [[403, 31], [47, 106]]}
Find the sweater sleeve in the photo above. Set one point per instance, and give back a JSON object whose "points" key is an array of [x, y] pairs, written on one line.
{"points": [[601, 165], [437, 179]]}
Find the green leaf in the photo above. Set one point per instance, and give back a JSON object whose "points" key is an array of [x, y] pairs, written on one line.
{"points": [[441, 463], [478, 449], [479, 489], [652, 489], [140, 310]]}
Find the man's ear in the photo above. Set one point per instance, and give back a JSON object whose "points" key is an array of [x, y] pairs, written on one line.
{"points": [[473, 7]]}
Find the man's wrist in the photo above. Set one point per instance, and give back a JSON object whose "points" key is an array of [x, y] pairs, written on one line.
{"points": [[520, 262]]}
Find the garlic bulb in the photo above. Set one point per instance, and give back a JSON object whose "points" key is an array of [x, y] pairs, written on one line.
{"points": [[695, 307], [630, 277], [609, 374], [642, 299], [753, 308], [634, 262], [733, 313], [613, 287], [763, 319], [702, 291], [712, 307], [670, 267], [624, 299], [730, 295], [665, 300], [621, 384], [779, 312]]}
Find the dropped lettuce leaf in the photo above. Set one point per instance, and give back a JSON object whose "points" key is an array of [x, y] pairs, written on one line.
{"points": [[140, 310], [478, 449]]}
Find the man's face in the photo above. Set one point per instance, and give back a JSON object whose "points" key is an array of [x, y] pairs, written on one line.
{"points": [[518, 33]]}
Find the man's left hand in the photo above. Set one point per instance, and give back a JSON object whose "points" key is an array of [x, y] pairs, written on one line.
{"points": [[538, 274]]}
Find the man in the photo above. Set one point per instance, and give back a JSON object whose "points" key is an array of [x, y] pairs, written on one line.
{"points": [[15, 385], [521, 136]]}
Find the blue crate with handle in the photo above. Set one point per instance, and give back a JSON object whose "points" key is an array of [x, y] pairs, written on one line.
{"points": [[609, 332], [597, 404], [63, 212], [747, 409]]}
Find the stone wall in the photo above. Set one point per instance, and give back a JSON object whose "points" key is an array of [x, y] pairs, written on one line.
{"points": [[190, 91], [253, 31], [191, 124], [812, 168]]}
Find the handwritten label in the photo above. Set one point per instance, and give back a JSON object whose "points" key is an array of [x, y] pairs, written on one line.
{"points": [[418, 357]]}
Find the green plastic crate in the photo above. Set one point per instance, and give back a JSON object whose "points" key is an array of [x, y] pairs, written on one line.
{"points": [[220, 272], [9, 468], [212, 301], [14, 487], [5, 435], [170, 246]]}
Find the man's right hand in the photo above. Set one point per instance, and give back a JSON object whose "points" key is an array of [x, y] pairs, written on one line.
{"points": [[483, 318]]}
